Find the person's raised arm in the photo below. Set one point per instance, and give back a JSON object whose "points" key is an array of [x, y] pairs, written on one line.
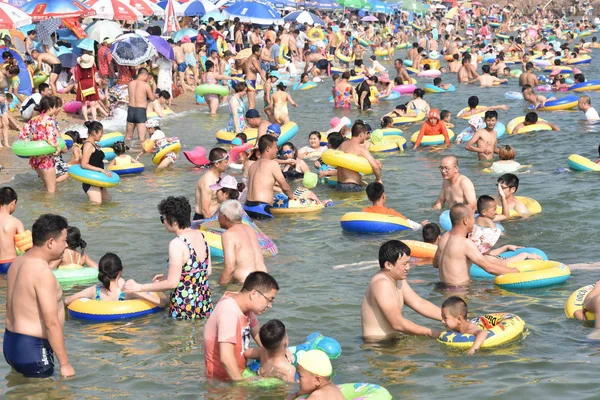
{"points": [[504, 204], [230, 260]]}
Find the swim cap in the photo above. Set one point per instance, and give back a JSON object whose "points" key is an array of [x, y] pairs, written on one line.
{"points": [[153, 123], [310, 180], [377, 136], [274, 129], [237, 141], [434, 113], [316, 362], [313, 48]]}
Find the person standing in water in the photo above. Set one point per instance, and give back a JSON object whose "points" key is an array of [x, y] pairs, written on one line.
{"points": [[9, 227], [139, 94], [206, 198]]}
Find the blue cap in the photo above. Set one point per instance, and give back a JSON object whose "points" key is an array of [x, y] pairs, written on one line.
{"points": [[274, 129]]}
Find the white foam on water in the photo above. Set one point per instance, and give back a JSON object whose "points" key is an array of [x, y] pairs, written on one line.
{"points": [[371, 263]]}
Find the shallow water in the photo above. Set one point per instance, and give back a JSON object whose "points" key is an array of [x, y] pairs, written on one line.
{"points": [[155, 357]]}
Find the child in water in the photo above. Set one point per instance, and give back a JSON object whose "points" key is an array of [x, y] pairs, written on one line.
{"points": [[76, 149], [509, 183], [531, 118], [431, 233], [304, 192], [122, 158], [73, 258], [446, 117], [110, 270], [507, 162], [376, 194], [275, 359], [9, 226], [157, 141], [474, 108], [314, 377], [454, 318]]}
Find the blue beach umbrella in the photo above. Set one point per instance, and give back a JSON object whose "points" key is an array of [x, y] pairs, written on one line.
{"points": [[85, 44], [216, 15], [41, 10], [177, 36], [304, 17], [324, 5], [196, 8], [380, 7], [254, 12]]}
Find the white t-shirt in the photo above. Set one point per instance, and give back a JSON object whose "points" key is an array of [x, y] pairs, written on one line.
{"points": [[592, 115]]}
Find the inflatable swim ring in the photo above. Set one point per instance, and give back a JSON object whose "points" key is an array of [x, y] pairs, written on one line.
{"points": [[34, 148], [284, 206], [342, 57], [68, 277], [412, 71], [39, 78], [534, 274], [361, 391], [565, 103], [513, 96], [420, 249], [466, 114], [532, 206], [211, 88], [304, 86], [502, 328], [225, 136], [579, 163], [537, 127], [316, 33], [388, 144], [283, 58], [357, 78], [364, 222], [408, 120], [337, 158], [434, 64], [128, 169], [389, 131], [288, 131], [563, 69], [586, 86], [446, 224], [405, 89], [166, 111], [575, 302], [98, 310], [476, 272], [392, 96], [109, 153], [72, 107], [583, 59], [174, 146], [109, 139], [93, 178], [68, 140], [429, 88], [433, 140], [432, 73]]}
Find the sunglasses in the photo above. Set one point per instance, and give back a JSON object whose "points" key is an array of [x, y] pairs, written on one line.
{"points": [[285, 152]]}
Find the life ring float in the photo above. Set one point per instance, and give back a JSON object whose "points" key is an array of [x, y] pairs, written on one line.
{"points": [[405, 89], [23, 241], [476, 272], [513, 96], [408, 120], [537, 127], [541, 63], [316, 33], [93, 178], [430, 88], [35, 148], [392, 96], [534, 274], [288, 131], [466, 113], [421, 249], [388, 144], [361, 390], [432, 73], [337, 158], [563, 69], [412, 71], [357, 78], [434, 64], [532, 206], [128, 169], [575, 302], [98, 310], [564, 103], [166, 111], [342, 57], [364, 42], [432, 140], [282, 57], [72, 107], [586, 86], [467, 134], [39, 78], [221, 46], [446, 224], [304, 86], [109, 139], [174, 146], [68, 140], [364, 222], [225, 136], [109, 153], [282, 205], [579, 163], [584, 59], [235, 152], [68, 277], [383, 52], [386, 132], [502, 328], [211, 88]]}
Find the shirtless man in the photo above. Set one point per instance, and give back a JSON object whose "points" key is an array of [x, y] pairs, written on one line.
{"points": [[456, 187], [348, 180], [410, 54], [241, 249], [454, 65], [332, 41], [528, 77], [268, 90], [53, 62], [255, 38], [456, 252], [252, 68], [181, 65], [35, 312], [464, 74], [487, 80], [401, 72], [388, 291], [191, 59], [253, 120], [159, 106], [139, 93], [262, 176], [485, 141], [9, 227], [206, 198], [315, 62]]}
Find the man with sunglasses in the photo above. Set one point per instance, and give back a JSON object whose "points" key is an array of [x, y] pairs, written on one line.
{"points": [[456, 188], [233, 322]]}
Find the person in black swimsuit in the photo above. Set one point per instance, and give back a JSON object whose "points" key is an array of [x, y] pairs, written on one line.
{"points": [[92, 159], [291, 166]]}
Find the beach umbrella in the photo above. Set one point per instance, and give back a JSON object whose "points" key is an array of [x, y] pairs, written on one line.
{"points": [[370, 18], [254, 12], [304, 17], [414, 6], [284, 4], [67, 56], [132, 50], [325, 4], [180, 34], [171, 23], [216, 15], [195, 8], [451, 13], [46, 28], [85, 44], [46, 9], [147, 8], [162, 46], [352, 3], [16, 3], [104, 29], [66, 35], [381, 7], [11, 17], [114, 10]]}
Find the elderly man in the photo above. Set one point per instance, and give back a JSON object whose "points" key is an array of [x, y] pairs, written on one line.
{"points": [[456, 187]]}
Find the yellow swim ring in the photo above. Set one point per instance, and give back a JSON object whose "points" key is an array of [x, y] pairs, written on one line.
{"points": [[296, 207], [420, 249], [575, 302], [342, 57], [161, 153], [316, 33], [432, 140], [534, 274], [502, 328], [532, 206], [408, 120], [537, 127], [337, 158], [466, 114], [389, 143]]}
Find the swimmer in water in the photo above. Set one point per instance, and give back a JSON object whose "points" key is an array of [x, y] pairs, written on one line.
{"points": [[431, 233], [474, 108], [314, 377], [72, 257], [454, 318], [376, 194], [9, 227], [446, 117], [275, 358], [591, 303], [531, 118], [485, 141]]}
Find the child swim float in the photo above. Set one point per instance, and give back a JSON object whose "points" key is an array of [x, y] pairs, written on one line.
{"points": [[502, 328], [532, 206], [23, 241], [101, 311], [388, 132], [430, 88], [476, 272], [211, 88], [72, 107], [174, 146], [225, 136], [128, 169], [361, 391], [70, 276], [282, 205], [564, 103], [575, 302], [432, 140], [109, 153], [388, 144], [342, 57], [392, 96], [316, 33], [586, 86], [537, 127], [34, 148], [109, 139], [288, 131], [304, 86], [534, 274], [337, 158], [466, 114], [364, 222], [166, 111], [420, 249], [405, 89], [408, 120], [93, 178], [579, 163]]}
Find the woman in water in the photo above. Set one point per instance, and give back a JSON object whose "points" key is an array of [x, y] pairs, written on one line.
{"points": [[343, 92], [189, 264], [72, 257], [211, 77], [237, 109], [291, 166], [280, 100], [314, 148], [92, 159]]}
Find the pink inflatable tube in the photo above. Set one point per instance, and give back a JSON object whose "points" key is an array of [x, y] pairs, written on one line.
{"points": [[404, 89], [72, 107], [234, 153], [432, 73]]}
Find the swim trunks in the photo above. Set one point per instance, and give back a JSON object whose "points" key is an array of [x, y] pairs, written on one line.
{"points": [[190, 60], [28, 355], [258, 209], [332, 50], [265, 66], [5, 265], [56, 68], [136, 115], [197, 217], [251, 84], [348, 187], [182, 67]]}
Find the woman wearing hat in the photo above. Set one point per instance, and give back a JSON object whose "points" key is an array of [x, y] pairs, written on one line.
{"points": [[87, 92]]}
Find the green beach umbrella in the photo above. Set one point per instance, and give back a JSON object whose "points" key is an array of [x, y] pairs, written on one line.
{"points": [[352, 3], [414, 6]]}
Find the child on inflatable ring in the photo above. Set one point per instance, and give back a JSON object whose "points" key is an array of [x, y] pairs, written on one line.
{"points": [[454, 318]]}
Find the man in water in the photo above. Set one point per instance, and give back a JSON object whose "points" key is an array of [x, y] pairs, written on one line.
{"points": [[262, 176], [159, 106], [139, 93], [181, 65], [456, 187], [348, 180], [191, 60], [252, 68], [254, 120], [35, 312], [528, 77], [228, 330], [388, 291], [456, 252], [487, 80], [53, 62], [241, 249], [206, 198], [401, 72]]}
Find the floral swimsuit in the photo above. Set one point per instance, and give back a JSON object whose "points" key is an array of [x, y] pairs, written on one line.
{"points": [[41, 127]]}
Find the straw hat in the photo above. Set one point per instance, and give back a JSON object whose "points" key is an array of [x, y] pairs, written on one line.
{"points": [[85, 61]]}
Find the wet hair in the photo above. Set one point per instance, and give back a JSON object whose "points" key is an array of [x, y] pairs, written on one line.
{"points": [[386, 121], [304, 74], [74, 239], [42, 87], [510, 180], [93, 127], [444, 114], [484, 202], [490, 114], [240, 87], [335, 139], [431, 232], [75, 136], [215, 154], [315, 133], [473, 101], [259, 281], [109, 267], [346, 75], [281, 86], [120, 148], [375, 191], [7, 195], [506, 152], [358, 128], [265, 142], [391, 251], [485, 68], [58, 101], [176, 209], [437, 81], [458, 212], [335, 77], [455, 306], [46, 103], [46, 227], [291, 146], [31, 32], [531, 117], [401, 107], [419, 93], [164, 94], [272, 334]]}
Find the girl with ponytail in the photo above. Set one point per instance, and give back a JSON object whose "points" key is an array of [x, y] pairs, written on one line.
{"points": [[111, 283], [74, 255]]}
